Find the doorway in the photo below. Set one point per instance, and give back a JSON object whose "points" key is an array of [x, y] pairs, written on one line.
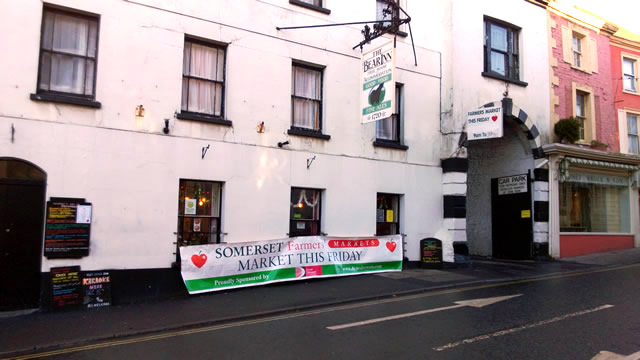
{"points": [[22, 205], [512, 226]]}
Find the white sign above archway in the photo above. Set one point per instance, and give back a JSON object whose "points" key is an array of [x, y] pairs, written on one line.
{"points": [[484, 123]]}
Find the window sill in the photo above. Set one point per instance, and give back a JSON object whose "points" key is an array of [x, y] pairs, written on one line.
{"points": [[389, 144], [636, 93], [203, 118], [310, 6], [66, 99], [503, 78], [309, 133]]}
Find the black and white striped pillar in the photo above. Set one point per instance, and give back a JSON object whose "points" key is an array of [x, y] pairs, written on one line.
{"points": [[454, 187], [541, 213]]}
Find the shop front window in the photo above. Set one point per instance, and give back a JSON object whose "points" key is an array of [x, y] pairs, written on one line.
{"points": [[598, 203], [199, 212], [305, 212], [387, 214]]}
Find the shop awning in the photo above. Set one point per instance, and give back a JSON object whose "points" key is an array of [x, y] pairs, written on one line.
{"points": [[600, 164]]}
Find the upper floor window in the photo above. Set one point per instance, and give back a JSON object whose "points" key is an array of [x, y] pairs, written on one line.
{"points": [[501, 49], [316, 5], [68, 52], [390, 128], [306, 97], [629, 69], [381, 14], [577, 50], [203, 78], [312, 2], [632, 133], [581, 112]]}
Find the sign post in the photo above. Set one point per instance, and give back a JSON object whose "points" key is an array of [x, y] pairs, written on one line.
{"points": [[377, 96]]}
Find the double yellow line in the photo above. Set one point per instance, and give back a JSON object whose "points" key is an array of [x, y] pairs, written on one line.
{"points": [[167, 335]]}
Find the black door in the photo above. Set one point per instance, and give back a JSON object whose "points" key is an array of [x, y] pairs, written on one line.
{"points": [[512, 227], [21, 222]]}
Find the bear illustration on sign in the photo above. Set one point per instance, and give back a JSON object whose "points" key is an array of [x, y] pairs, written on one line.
{"points": [[376, 96]]}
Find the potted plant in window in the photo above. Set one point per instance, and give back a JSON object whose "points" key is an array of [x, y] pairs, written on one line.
{"points": [[568, 130], [598, 145]]}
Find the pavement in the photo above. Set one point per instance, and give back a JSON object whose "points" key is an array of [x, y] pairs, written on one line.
{"points": [[22, 333]]}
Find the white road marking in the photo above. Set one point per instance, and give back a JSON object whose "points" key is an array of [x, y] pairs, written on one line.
{"points": [[478, 303], [519, 328]]}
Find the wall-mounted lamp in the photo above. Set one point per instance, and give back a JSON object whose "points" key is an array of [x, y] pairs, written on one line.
{"points": [[166, 126], [281, 144], [140, 111]]}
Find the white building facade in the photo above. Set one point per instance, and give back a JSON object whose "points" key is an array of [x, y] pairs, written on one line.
{"points": [[140, 107]]}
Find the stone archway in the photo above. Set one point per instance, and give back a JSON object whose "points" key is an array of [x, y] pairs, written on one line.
{"points": [[457, 186]]}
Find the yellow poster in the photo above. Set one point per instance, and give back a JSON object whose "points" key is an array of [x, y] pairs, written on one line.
{"points": [[389, 215], [525, 214]]}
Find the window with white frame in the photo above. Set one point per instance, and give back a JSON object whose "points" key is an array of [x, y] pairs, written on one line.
{"points": [[629, 67], [68, 53], [387, 214], [203, 78], [501, 49], [576, 47], [199, 208], [390, 129], [632, 133], [581, 111], [306, 97]]}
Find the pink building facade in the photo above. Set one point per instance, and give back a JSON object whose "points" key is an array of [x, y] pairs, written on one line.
{"points": [[593, 199]]}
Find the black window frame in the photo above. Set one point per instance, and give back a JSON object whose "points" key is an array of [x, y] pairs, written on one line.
{"points": [[303, 4], [292, 221], [397, 223], [61, 96], [399, 115], [199, 116], [302, 131], [180, 241], [512, 70]]}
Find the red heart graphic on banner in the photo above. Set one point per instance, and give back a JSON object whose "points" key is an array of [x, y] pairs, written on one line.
{"points": [[199, 260], [391, 246], [494, 118]]}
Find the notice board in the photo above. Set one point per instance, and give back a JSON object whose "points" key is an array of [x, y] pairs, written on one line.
{"points": [[68, 228], [66, 287], [97, 289]]}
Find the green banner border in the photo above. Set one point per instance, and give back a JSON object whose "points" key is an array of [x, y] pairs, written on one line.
{"points": [[284, 274]]}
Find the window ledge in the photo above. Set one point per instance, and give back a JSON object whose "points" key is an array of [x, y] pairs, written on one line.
{"points": [[66, 99], [631, 92], [309, 133], [310, 6], [203, 118], [503, 78], [389, 144]]}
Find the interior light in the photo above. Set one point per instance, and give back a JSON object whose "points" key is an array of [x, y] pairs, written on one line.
{"points": [[200, 203], [300, 205], [186, 198], [203, 199]]}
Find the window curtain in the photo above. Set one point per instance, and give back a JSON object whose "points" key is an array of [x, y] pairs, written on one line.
{"points": [[307, 93], [206, 63], [74, 36]]}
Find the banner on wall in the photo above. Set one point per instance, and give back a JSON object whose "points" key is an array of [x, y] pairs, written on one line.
{"points": [[223, 266], [377, 95]]}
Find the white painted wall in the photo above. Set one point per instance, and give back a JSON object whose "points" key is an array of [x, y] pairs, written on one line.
{"points": [[130, 171]]}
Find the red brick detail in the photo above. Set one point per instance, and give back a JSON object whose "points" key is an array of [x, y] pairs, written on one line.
{"points": [[574, 245]]}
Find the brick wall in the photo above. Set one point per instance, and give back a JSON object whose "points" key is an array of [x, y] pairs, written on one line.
{"points": [[601, 82]]}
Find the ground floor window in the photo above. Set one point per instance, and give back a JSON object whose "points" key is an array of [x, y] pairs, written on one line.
{"points": [[387, 214], [199, 212], [593, 202], [305, 212]]}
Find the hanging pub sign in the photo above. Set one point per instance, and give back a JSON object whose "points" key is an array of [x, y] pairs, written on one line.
{"points": [[484, 123], [68, 228], [377, 96], [214, 267]]}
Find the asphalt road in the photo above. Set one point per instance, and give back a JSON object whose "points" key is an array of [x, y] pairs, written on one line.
{"points": [[564, 317]]}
